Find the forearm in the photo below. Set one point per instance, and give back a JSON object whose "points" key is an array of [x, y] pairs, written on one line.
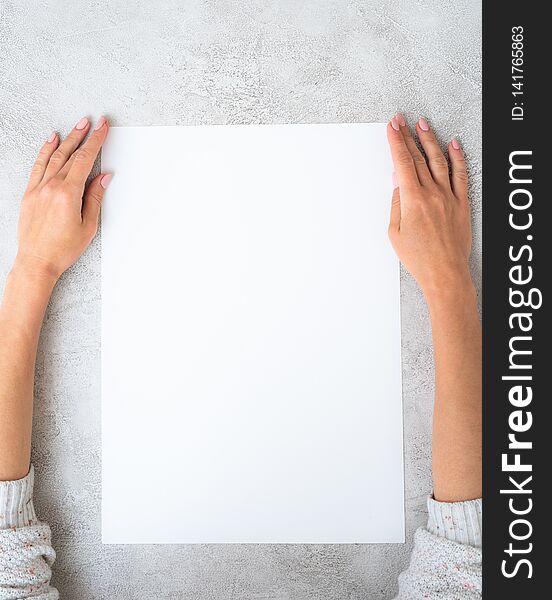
{"points": [[457, 421], [25, 299]]}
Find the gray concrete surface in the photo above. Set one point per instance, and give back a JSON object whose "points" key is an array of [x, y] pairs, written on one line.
{"points": [[205, 62]]}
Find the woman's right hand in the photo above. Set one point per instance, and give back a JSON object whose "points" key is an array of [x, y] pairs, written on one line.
{"points": [[430, 217]]}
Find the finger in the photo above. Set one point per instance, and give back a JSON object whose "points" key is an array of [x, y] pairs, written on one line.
{"points": [[41, 162], [67, 166], [92, 200], [402, 159], [424, 176], [66, 148], [438, 164], [395, 218], [65, 169], [459, 171], [87, 154]]}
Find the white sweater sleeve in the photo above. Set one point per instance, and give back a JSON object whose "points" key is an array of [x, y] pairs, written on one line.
{"points": [[26, 553], [446, 560]]}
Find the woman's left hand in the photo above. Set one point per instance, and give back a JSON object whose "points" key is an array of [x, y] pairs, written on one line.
{"points": [[59, 213]]}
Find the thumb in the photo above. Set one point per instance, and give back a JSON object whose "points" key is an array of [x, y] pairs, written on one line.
{"points": [[93, 196], [395, 219]]}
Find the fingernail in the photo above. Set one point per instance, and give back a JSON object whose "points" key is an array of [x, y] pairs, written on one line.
{"points": [[455, 144], [101, 122], [82, 123], [401, 120], [106, 180], [424, 125], [52, 137], [395, 124], [395, 181]]}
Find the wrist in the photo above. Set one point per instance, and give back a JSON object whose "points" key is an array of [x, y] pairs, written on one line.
{"points": [[457, 291], [34, 272], [26, 295], [453, 307]]}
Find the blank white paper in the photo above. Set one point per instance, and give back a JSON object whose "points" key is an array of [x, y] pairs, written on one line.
{"points": [[251, 374]]}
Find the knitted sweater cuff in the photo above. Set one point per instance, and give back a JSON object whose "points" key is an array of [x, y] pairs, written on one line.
{"points": [[16, 502], [456, 521]]}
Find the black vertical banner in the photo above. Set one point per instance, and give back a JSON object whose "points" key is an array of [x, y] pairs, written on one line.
{"points": [[517, 248]]}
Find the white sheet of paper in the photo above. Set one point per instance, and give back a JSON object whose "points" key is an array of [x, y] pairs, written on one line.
{"points": [[251, 375]]}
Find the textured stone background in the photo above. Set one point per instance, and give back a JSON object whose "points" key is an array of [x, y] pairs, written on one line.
{"points": [[204, 62]]}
